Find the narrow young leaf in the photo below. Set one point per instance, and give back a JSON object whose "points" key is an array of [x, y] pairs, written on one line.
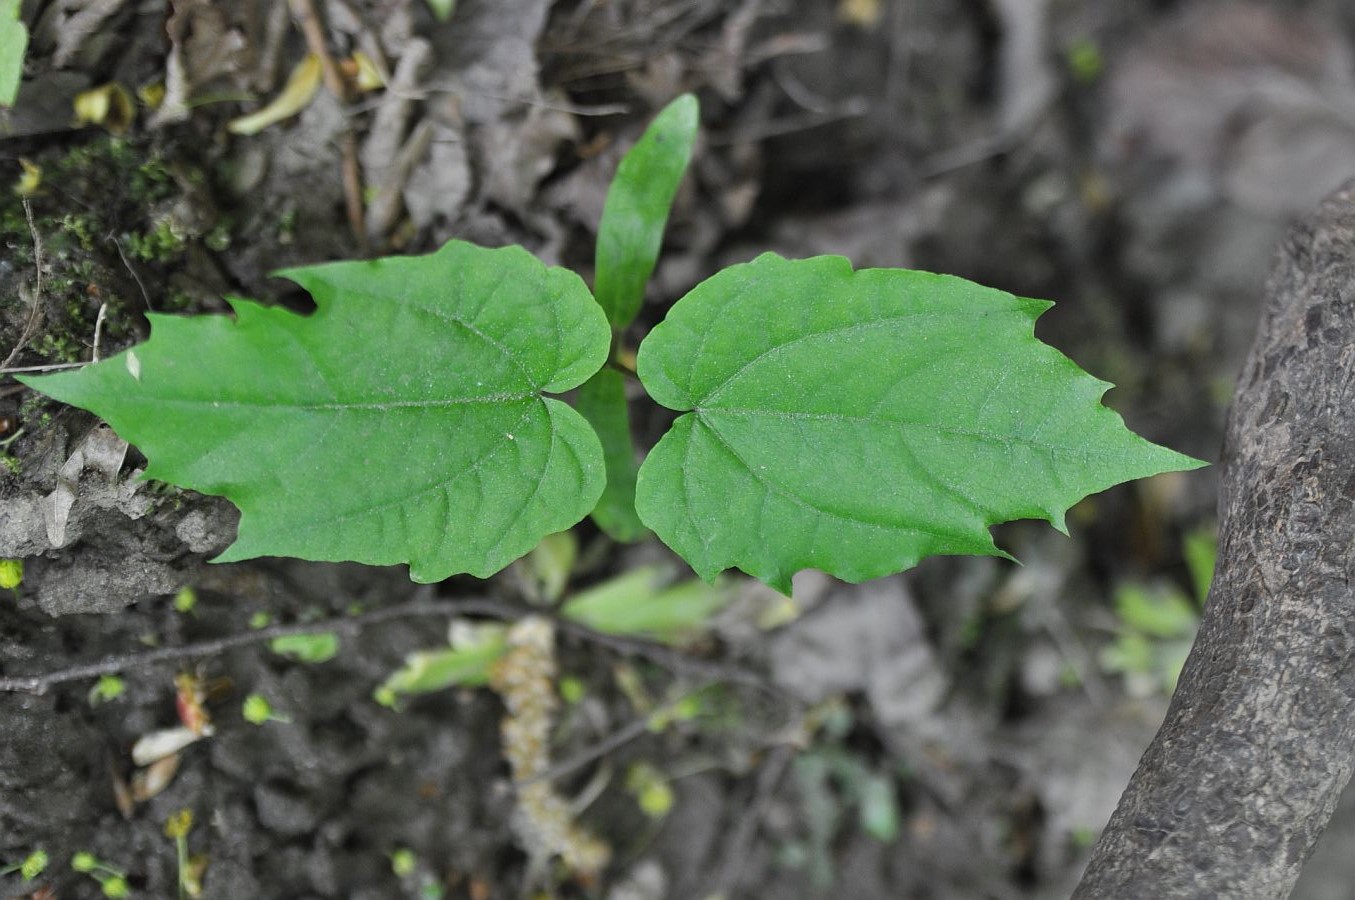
{"points": [[859, 421], [402, 422], [637, 603], [636, 209], [602, 401]]}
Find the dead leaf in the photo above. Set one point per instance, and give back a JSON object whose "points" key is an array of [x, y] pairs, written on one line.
{"points": [[82, 24], [204, 48], [154, 778], [157, 745], [296, 95], [109, 105]]}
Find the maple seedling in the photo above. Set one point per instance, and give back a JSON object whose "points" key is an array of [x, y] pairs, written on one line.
{"points": [[854, 421]]}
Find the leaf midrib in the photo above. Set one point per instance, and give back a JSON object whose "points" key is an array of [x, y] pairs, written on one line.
{"points": [[343, 406], [704, 412]]}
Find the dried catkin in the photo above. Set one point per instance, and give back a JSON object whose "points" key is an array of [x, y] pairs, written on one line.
{"points": [[525, 679]]}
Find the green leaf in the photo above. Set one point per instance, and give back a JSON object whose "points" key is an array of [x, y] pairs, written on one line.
{"points": [[636, 603], [1201, 549], [550, 564], [442, 9], [13, 43], [637, 206], [602, 401], [308, 648], [879, 808], [433, 670], [402, 422], [1159, 614], [857, 422]]}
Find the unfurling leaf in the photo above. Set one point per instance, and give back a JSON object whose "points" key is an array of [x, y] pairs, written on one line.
{"points": [[858, 421], [308, 648], [636, 209], [403, 421]]}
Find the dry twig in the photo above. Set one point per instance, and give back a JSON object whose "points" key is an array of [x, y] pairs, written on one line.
{"points": [[35, 299]]}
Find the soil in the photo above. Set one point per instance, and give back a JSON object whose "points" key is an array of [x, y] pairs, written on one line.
{"points": [[959, 731]]}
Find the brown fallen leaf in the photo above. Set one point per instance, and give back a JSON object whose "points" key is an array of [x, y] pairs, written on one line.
{"points": [[153, 779]]}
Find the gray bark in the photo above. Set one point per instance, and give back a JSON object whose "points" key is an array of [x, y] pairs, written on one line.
{"points": [[1259, 739]]}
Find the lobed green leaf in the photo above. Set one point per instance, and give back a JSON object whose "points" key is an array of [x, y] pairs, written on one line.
{"points": [[404, 421], [859, 421]]}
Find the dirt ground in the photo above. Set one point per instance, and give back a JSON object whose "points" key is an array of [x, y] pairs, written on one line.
{"points": [[960, 731]]}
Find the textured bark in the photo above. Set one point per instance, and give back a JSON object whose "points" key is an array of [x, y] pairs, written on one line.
{"points": [[1259, 739]]}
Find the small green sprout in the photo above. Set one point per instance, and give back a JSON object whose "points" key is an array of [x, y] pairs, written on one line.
{"points": [[186, 600], [107, 689], [572, 690], [177, 827], [403, 862], [257, 710], [1085, 60], [112, 882], [307, 648], [260, 619], [30, 867], [651, 790], [11, 573]]}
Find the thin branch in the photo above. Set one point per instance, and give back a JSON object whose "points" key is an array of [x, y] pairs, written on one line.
{"points": [[672, 660], [49, 367], [145, 294], [35, 301], [736, 847], [40, 684]]}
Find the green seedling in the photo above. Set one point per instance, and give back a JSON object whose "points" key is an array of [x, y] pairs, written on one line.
{"points": [[832, 782], [112, 881], [640, 603], [30, 867], [257, 711], [1157, 625], [107, 689], [650, 788], [405, 865], [177, 828], [853, 421], [572, 690], [308, 648], [11, 573], [403, 862], [185, 600]]}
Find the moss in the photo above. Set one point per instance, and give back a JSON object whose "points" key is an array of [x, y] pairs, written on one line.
{"points": [[104, 214], [60, 348], [161, 243]]}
